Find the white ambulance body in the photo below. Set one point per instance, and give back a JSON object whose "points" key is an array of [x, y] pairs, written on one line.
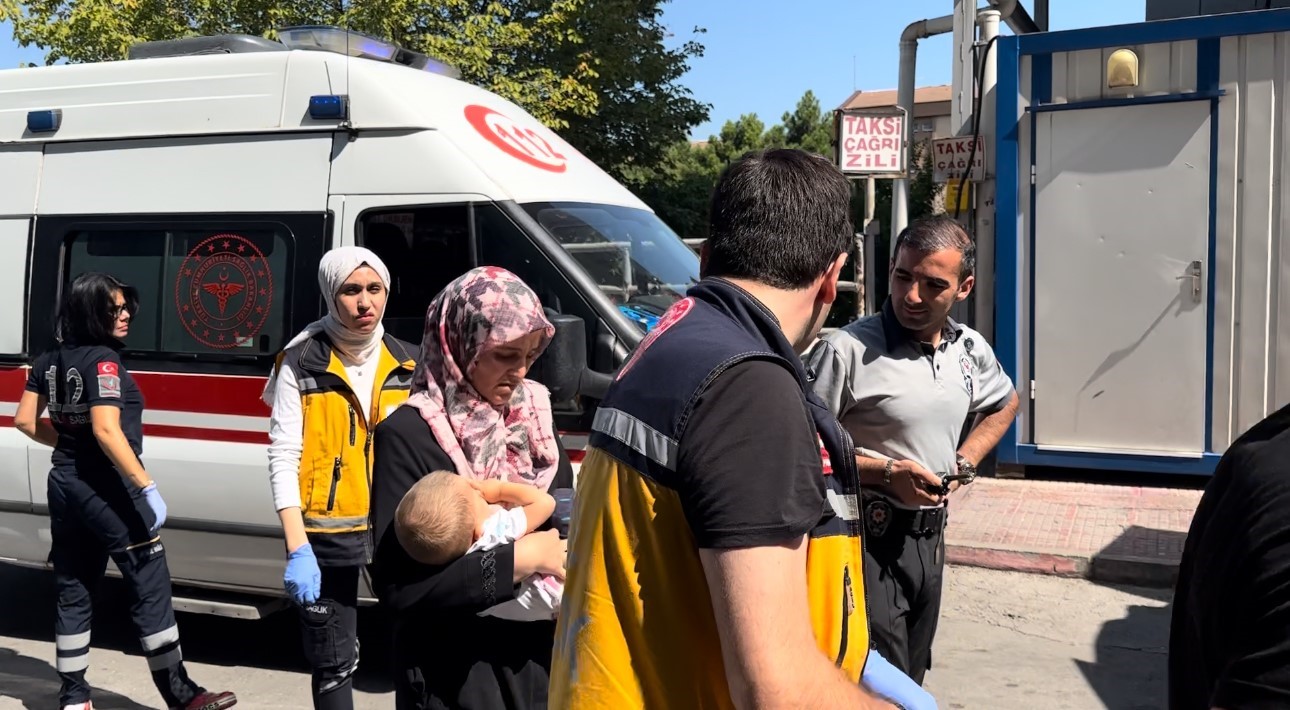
{"points": [[214, 182]]}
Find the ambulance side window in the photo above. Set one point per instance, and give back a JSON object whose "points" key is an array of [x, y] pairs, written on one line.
{"points": [[425, 248], [220, 290]]}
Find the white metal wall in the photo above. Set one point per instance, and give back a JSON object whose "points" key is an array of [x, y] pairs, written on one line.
{"points": [[1251, 366], [1163, 68], [1252, 333]]}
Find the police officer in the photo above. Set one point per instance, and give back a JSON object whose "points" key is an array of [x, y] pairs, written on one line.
{"points": [[334, 382], [101, 499], [902, 383]]}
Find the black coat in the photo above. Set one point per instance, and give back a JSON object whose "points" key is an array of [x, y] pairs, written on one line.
{"points": [[445, 655]]}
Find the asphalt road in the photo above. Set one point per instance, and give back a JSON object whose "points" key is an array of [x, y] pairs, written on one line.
{"points": [[1006, 641]]}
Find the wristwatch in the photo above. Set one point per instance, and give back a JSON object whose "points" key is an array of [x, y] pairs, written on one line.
{"points": [[966, 468], [886, 472]]}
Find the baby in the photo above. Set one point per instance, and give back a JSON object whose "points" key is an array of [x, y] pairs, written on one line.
{"points": [[445, 516]]}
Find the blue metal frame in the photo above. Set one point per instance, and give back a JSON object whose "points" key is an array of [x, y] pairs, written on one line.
{"points": [[1207, 31]]}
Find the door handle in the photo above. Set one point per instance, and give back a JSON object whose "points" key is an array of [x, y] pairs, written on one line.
{"points": [[1195, 273]]}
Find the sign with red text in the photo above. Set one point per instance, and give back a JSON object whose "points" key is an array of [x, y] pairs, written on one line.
{"points": [[871, 142], [950, 159]]}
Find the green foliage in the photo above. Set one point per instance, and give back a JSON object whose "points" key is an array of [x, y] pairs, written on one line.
{"points": [[597, 70], [678, 187]]}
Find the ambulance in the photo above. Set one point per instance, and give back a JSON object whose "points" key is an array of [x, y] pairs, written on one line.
{"points": [[212, 173]]}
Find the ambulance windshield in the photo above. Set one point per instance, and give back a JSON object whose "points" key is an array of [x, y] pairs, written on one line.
{"points": [[638, 260]]}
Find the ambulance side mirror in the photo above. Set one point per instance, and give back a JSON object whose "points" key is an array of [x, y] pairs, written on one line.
{"points": [[563, 366]]}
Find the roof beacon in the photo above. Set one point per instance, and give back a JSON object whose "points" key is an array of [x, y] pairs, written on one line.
{"points": [[356, 44]]}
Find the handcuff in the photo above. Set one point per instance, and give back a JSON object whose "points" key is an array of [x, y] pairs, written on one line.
{"points": [[965, 475]]}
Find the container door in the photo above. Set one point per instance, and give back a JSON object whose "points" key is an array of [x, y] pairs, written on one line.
{"points": [[1120, 278]]}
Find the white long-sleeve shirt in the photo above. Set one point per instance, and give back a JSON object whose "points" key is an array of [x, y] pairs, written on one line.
{"points": [[287, 428]]}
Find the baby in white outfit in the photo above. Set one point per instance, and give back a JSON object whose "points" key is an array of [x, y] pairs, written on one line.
{"points": [[444, 516]]}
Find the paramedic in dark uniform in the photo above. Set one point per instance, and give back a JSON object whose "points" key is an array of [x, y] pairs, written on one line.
{"points": [[902, 383], [101, 500]]}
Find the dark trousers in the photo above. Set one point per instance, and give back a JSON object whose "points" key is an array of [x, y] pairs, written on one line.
{"points": [[904, 565], [92, 517], [329, 629]]}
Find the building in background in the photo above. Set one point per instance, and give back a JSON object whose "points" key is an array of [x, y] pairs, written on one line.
{"points": [[931, 117]]}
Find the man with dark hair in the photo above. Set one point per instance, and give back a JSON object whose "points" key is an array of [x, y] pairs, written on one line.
{"points": [[706, 481], [902, 383], [1229, 642]]}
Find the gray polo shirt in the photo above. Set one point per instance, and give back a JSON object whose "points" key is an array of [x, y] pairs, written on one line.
{"points": [[901, 398]]}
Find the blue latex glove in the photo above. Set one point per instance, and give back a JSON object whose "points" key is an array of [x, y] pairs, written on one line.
{"points": [[303, 579], [888, 681], [153, 498]]}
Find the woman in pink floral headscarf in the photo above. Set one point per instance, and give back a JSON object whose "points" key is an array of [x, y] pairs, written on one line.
{"points": [[471, 412]]}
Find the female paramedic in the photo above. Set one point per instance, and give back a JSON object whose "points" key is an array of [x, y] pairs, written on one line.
{"points": [[333, 383], [101, 500]]}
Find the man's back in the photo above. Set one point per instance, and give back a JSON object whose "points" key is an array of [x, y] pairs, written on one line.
{"points": [[1229, 644], [743, 470]]}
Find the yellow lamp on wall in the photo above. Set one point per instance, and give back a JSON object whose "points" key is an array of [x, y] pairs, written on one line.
{"points": [[1122, 69]]}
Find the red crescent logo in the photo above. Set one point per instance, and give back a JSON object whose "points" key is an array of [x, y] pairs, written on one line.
{"points": [[514, 139]]}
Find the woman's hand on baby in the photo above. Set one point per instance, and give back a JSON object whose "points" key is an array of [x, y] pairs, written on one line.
{"points": [[540, 553]]}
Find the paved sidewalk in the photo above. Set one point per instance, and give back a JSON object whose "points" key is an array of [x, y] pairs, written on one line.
{"points": [[1110, 533]]}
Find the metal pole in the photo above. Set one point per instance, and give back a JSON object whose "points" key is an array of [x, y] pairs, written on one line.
{"points": [[1041, 15], [905, 99], [964, 28], [985, 192], [864, 299]]}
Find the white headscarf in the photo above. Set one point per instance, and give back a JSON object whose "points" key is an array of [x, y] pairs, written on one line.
{"points": [[334, 269]]}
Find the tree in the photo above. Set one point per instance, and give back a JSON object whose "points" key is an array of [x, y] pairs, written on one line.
{"points": [[582, 67], [643, 107]]}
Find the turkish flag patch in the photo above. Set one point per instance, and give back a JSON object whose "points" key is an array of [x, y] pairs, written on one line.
{"points": [[109, 380]]}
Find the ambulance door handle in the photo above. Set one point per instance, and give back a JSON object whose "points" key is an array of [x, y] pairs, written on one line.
{"points": [[1194, 272]]}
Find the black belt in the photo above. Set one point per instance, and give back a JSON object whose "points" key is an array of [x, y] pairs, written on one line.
{"points": [[883, 518]]}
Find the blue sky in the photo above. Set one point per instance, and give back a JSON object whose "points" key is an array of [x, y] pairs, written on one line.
{"points": [[762, 55]]}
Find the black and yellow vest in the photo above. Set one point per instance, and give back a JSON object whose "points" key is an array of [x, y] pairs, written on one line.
{"points": [[336, 453], [636, 629]]}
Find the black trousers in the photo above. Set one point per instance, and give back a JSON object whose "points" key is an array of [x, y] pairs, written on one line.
{"points": [[91, 517], [329, 630], [904, 568]]}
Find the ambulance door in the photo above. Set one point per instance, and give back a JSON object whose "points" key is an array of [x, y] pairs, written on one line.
{"points": [[19, 525]]}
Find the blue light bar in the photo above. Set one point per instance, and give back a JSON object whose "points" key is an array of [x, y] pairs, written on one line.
{"points": [[356, 44], [329, 107], [46, 121]]}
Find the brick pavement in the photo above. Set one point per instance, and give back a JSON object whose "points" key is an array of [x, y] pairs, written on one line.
{"points": [[1111, 533]]}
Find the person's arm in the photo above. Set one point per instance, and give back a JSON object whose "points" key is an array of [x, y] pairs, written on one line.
{"points": [[105, 421], [994, 401], [404, 450], [988, 431], [28, 419], [911, 482], [770, 656], [286, 441], [538, 505]]}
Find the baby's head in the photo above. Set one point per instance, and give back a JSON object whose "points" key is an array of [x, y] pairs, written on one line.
{"points": [[439, 518]]}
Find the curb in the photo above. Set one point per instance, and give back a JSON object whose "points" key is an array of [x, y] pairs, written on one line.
{"points": [[1117, 569]]}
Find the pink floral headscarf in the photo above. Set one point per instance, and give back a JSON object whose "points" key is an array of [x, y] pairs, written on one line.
{"points": [[484, 308]]}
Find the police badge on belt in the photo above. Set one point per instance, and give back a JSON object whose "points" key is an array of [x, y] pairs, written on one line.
{"points": [[877, 517]]}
